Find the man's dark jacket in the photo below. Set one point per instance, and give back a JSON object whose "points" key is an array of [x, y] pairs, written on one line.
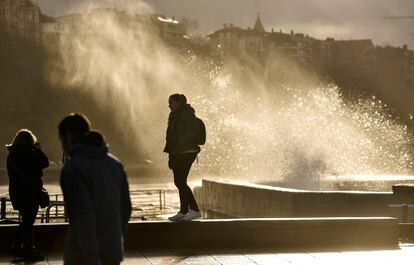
{"points": [[24, 167], [96, 193], [182, 131]]}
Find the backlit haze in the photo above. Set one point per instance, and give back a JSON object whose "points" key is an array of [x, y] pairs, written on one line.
{"points": [[271, 122]]}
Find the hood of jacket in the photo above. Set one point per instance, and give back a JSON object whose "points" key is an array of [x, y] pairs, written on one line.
{"points": [[88, 151], [186, 107], [92, 146]]}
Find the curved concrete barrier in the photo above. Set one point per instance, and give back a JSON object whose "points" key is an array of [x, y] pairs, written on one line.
{"points": [[229, 199]]}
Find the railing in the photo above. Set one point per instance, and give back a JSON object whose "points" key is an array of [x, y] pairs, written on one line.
{"points": [[6, 211], [55, 204], [404, 210], [144, 202]]}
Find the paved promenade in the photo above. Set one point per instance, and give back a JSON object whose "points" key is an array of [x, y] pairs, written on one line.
{"points": [[402, 256]]}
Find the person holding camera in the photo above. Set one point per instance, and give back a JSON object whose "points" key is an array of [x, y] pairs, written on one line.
{"points": [[25, 163]]}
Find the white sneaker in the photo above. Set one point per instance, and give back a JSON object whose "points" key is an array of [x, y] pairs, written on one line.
{"points": [[192, 215], [178, 217]]}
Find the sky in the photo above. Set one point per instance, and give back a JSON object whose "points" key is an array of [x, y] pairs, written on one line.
{"points": [[340, 19]]}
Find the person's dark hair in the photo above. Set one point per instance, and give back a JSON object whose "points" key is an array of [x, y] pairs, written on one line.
{"points": [[23, 137], [179, 98], [76, 123]]}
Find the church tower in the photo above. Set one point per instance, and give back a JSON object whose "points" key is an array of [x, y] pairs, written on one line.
{"points": [[258, 26]]}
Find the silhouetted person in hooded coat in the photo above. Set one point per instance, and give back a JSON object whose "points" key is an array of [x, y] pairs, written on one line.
{"points": [[96, 193]]}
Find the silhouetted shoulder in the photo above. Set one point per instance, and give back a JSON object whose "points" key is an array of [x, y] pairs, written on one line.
{"points": [[117, 162], [116, 159]]}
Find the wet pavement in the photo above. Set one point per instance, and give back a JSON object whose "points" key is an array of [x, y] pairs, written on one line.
{"points": [[403, 255]]}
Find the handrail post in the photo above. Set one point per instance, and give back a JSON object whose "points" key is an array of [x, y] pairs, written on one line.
{"points": [[160, 193], [3, 208], [48, 212], [56, 197], [165, 204], [404, 210]]}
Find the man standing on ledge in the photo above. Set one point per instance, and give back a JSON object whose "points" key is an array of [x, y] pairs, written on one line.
{"points": [[182, 149], [95, 190]]}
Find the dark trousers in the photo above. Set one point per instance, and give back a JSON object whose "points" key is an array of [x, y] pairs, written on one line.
{"points": [[181, 165], [25, 232]]}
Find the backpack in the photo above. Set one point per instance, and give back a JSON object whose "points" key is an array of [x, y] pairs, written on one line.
{"points": [[201, 133]]}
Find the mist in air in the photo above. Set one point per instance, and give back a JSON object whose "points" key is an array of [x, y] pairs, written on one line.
{"points": [[269, 122]]}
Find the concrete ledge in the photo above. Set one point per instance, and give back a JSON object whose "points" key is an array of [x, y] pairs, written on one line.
{"points": [[305, 232], [295, 232], [221, 199]]}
